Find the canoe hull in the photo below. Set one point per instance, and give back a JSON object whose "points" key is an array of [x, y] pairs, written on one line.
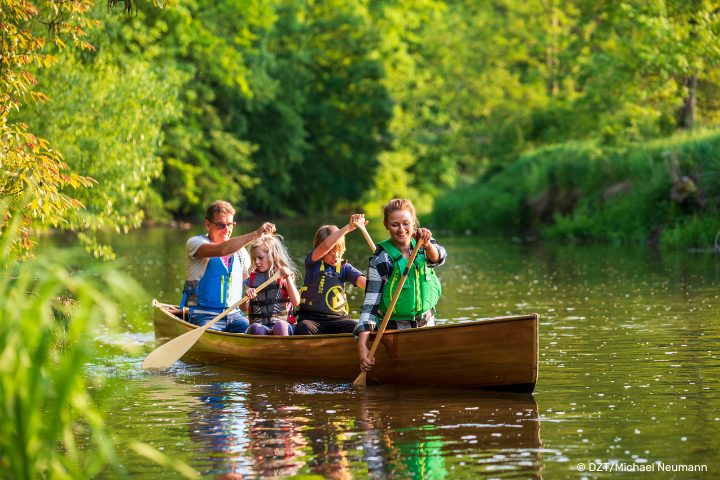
{"points": [[494, 353]]}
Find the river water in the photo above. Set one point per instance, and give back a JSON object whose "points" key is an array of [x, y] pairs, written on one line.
{"points": [[629, 376]]}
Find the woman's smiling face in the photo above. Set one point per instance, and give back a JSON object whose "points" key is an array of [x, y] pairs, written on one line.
{"points": [[400, 226]]}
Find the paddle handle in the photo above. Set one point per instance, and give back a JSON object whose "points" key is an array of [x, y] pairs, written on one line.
{"points": [[365, 233], [361, 379]]}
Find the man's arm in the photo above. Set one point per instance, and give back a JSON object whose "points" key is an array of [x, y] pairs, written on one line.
{"points": [[234, 244]]}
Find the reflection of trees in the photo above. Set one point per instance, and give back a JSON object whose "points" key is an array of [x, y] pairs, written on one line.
{"points": [[426, 434]]}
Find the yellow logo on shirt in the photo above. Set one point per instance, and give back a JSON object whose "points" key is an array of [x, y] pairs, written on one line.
{"points": [[336, 301]]}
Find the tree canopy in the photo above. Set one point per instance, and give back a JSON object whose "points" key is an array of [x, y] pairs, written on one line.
{"points": [[286, 107]]}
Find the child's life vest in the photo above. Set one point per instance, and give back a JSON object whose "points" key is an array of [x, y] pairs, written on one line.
{"points": [[325, 294], [271, 303], [421, 290]]}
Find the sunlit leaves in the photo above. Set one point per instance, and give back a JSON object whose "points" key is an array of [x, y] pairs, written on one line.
{"points": [[109, 128], [29, 167]]}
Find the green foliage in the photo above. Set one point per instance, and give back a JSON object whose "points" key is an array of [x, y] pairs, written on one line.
{"points": [[30, 168], [205, 156], [582, 191], [286, 106], [109, 129], [698, 232], [347, 106]]}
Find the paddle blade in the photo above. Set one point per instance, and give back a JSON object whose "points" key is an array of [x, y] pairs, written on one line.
{"points": [[361, 380], [165, 355]]}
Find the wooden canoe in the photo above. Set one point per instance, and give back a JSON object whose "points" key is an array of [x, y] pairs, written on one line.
{"points": [[499, 353]]}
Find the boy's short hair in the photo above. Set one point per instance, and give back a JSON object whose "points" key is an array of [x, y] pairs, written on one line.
{"points": [[324, 232]]}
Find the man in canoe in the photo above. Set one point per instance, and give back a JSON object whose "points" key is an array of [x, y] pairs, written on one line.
{"points": [[216, 267], [416, 304]]}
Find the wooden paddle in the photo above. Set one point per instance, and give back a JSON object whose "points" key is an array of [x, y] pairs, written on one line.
{"points": [[361, 380], [365, 233], [170, 352]]}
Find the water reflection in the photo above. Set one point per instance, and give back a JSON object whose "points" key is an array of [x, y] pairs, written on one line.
{"points": [[438, 433], [276, 443], [218, 428], [270, 428]]}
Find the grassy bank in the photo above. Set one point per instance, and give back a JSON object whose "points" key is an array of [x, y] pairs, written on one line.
{"points": [[663, 192]]}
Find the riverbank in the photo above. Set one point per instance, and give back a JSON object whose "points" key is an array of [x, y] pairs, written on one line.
{"points": [[665, 192]]}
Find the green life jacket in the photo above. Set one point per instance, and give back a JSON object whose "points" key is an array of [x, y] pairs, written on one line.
{"points": [[421, 290]]}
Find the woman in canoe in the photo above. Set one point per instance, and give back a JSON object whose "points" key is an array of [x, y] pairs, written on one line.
{"points": [[416, 305], [323, 305], [270, 310]]}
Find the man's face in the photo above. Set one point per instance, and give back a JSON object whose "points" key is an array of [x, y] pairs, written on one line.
{"points": [[220, 228]]}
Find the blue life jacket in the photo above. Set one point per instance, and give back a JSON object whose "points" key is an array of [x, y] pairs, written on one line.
{"points": [[215, 289]]}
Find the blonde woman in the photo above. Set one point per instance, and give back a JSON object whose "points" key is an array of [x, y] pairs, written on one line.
{"points": [[416, 303]]}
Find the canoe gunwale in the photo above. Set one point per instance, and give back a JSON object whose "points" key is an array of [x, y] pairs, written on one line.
{"points": [[509, 318]]}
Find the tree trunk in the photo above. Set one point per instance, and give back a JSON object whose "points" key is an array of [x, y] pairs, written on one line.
{"points": [[686, 115]]}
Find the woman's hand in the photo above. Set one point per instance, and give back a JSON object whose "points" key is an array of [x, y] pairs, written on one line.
{"points": [[250, 293], [423, 233], [366, 364]]}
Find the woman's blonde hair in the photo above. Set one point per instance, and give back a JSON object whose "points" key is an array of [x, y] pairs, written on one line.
{"points": [[324, 232], [400, 204], [276, 252]]}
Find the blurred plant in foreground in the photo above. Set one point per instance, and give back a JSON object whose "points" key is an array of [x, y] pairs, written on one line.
{"points": [[49, 425]]}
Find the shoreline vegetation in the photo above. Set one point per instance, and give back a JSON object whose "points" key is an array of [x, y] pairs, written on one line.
{"points": [[556, 120], [663, 192]]}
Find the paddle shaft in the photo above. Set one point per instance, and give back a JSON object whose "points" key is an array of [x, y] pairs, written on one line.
{"points": [[360, 380], [170, 352], [365, 233]]}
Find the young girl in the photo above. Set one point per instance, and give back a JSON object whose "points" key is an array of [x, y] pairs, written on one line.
{"points": [[323, 306], [269, 309], [416, 304]]}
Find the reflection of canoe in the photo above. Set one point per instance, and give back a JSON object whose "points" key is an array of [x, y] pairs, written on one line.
{"points": [[494, 353]]}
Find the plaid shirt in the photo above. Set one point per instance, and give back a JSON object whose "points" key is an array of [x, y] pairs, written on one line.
{"points": [[379, 271]]}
